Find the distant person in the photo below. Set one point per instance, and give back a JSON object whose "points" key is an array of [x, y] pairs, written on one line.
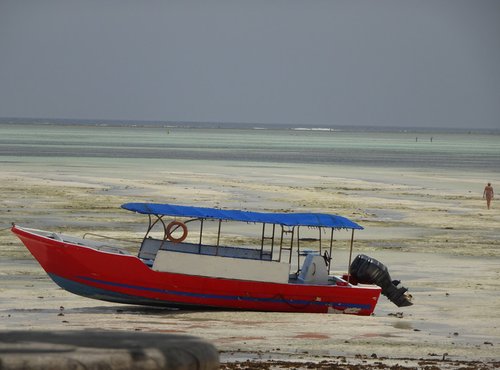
{"points": [[488, 194]]}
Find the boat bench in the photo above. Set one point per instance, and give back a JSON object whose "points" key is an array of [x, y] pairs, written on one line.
{"points": [[150, 247]]}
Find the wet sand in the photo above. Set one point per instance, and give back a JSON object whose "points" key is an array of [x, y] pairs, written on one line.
{"points": [[431, 230]]}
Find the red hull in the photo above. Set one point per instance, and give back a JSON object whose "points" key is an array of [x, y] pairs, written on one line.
{"points": [[126, 279]]}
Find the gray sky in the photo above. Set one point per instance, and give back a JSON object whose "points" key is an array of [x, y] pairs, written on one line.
{"points": [[359, 62]]}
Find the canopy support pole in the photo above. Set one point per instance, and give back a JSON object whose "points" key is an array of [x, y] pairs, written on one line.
{"points": [[298, 249], [262, 240], [281, 243], [201, 232], [319, 229], [350, 256], [272, 242], [331, 249], [152, 224], [218, 239]]}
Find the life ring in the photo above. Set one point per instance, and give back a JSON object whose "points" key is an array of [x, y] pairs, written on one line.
{"points": [[175, 225]]}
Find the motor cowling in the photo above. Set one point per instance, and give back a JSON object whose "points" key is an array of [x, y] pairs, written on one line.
{"points": [[367, 270]]}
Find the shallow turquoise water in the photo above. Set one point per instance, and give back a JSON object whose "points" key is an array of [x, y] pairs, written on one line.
{"points": [[378, 149]]}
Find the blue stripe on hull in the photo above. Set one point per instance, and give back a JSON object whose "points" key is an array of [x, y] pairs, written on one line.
{"points": [[108, 295]]}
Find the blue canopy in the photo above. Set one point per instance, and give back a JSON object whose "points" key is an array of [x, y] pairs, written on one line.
{"points": [[287, 219]]}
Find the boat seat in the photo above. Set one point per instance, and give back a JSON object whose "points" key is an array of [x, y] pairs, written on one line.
{"points": [[149, 248], [314, 270]]}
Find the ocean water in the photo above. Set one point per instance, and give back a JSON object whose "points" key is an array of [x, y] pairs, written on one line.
{"points": [[368, 148]]}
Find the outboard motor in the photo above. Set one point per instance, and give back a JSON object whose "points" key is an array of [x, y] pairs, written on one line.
{"points": [[367, 270]]}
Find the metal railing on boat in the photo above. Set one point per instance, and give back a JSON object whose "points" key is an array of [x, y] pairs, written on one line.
{"points": [[138, 240]]}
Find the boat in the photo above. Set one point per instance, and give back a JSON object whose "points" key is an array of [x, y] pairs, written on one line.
{"points": [[185, 261]]}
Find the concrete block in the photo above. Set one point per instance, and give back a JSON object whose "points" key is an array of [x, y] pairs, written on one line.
{"points": [[104, 350]]}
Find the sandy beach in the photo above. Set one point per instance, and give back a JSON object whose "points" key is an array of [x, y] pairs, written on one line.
{"points": [[431, 229], [383, 112]]}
